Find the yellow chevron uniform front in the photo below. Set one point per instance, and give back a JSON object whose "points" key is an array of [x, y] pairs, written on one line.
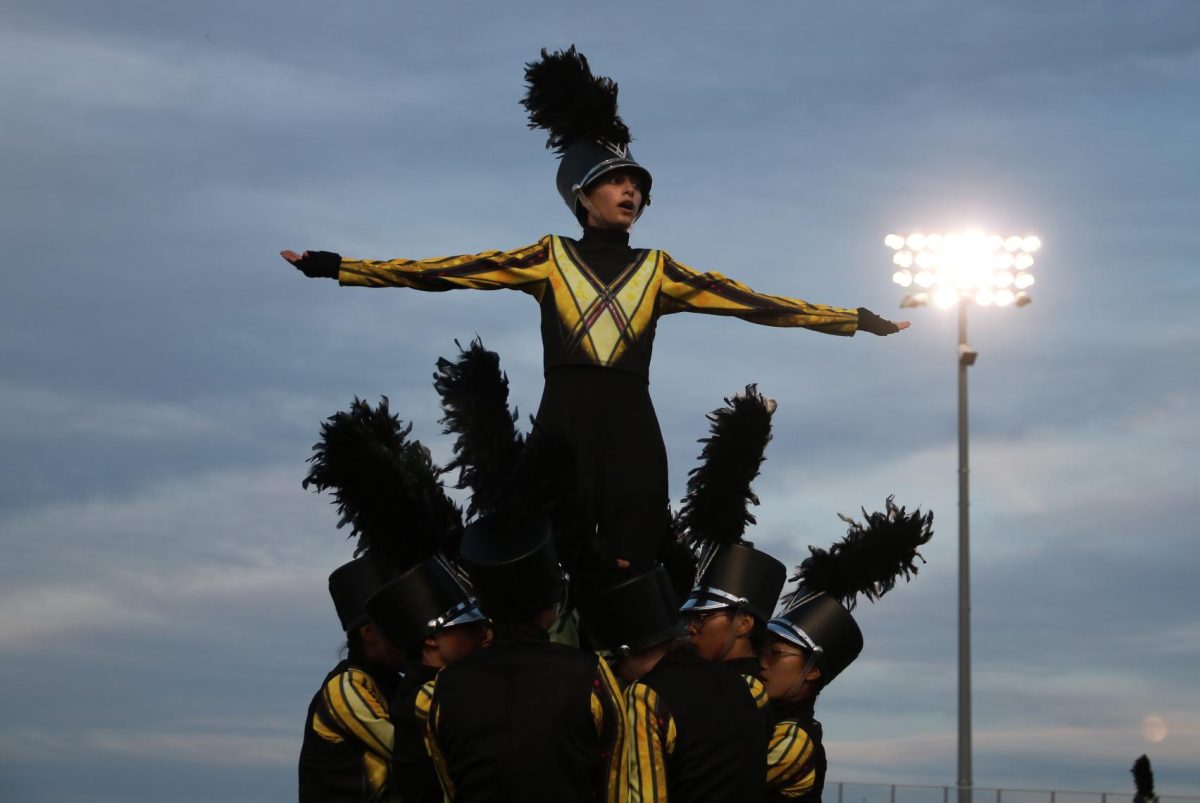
{"points": [[586, 321]]}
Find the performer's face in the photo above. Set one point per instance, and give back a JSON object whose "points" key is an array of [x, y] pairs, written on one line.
{"points": [[455, 643], [616, 198], [782, 668], [709, 632]]}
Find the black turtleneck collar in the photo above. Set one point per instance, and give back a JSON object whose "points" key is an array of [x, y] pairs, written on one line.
{"points": [[510, 632], [745, 666], [594, 235], [801, 711]]}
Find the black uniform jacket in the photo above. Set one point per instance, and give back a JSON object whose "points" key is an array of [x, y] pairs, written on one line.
{"points": [[526, 720], [749, 668], [348, 737], [694, 734], [413, 775]]}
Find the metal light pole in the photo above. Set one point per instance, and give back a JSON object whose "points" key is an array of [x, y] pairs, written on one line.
{"points": [[960, 269]]}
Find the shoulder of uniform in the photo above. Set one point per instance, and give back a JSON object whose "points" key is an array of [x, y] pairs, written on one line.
{"points": [[423, 701], [758, 690], [790, 730], [358, 677]]}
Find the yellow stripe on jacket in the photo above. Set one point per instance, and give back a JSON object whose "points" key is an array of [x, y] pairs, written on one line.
{"points": [[791, 771]]}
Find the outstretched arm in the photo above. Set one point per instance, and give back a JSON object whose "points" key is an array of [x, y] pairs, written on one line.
{"points": [[685, 290], [522, 269]]}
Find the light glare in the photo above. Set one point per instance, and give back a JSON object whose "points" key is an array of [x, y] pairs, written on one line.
{"points": [[971, 265], [945, 297]]}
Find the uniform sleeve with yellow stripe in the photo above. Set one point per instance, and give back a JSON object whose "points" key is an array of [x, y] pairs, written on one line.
{"points": [[352, 709], [427, 719], [608, 712], [649, 740], [685, 290], [758, 690], [523, 269], [791, 770]]}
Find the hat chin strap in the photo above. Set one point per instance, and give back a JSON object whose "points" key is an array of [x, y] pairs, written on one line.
{"points": [[795, 688], [731, 635]]}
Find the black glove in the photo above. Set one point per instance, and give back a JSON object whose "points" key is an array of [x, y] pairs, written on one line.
{"points": [[319, 264], [870, 322]]}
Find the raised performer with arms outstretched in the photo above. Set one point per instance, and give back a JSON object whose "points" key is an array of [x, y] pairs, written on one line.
{"points": [[600, 302]]}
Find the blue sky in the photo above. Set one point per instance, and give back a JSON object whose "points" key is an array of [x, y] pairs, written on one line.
{"points": [[164, 616]]}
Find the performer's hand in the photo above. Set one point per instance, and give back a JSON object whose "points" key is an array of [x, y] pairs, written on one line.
{"points": [[622, 563], [870, 322], [315, 264]]}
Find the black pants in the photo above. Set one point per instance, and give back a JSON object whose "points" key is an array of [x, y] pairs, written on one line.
{"points": [[608, 415]]}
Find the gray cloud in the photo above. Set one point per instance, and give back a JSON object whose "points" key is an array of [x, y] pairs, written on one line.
{"points": [[165, 373]]}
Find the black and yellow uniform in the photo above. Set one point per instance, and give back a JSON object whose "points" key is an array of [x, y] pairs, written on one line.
{"points": [[693, 734], [748, 669], [599, 312], [413, 774], [526, 719], [348, 738], [600, 304], [795, 756]]}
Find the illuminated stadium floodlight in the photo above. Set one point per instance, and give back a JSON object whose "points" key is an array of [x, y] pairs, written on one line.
{"points": [[960, 269], [944, 269]]}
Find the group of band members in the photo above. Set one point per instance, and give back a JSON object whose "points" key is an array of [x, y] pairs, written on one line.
{"points": [[445, 695]]}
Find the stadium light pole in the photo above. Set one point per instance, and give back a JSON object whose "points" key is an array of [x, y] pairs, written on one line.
{"points": [[959, 269]]}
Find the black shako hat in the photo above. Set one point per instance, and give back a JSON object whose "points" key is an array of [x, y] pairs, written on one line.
{"points": [[633, 614], [351, 585], [820, 625], [739, 575], [579, 110], [512, 564], [421, 601], [868, 561]]}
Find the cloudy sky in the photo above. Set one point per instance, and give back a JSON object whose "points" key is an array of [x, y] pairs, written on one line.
{"points": [[163, 613]]}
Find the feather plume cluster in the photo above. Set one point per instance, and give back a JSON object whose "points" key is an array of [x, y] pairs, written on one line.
{"points": [[504, 469], [564, 98], [869, 560], [1143, 779], [716, 509], [386, 486], [487, 446]]}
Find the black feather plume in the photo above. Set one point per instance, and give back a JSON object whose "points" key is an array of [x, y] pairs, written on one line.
{"points": [[716, 509], [546, 481], [564, 98], [869, 559], [474, 395], [680, 562], [1143, 779], [385, 486]]}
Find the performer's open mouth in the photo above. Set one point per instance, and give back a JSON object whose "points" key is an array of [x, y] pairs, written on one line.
{"points": [[627, 205]]}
